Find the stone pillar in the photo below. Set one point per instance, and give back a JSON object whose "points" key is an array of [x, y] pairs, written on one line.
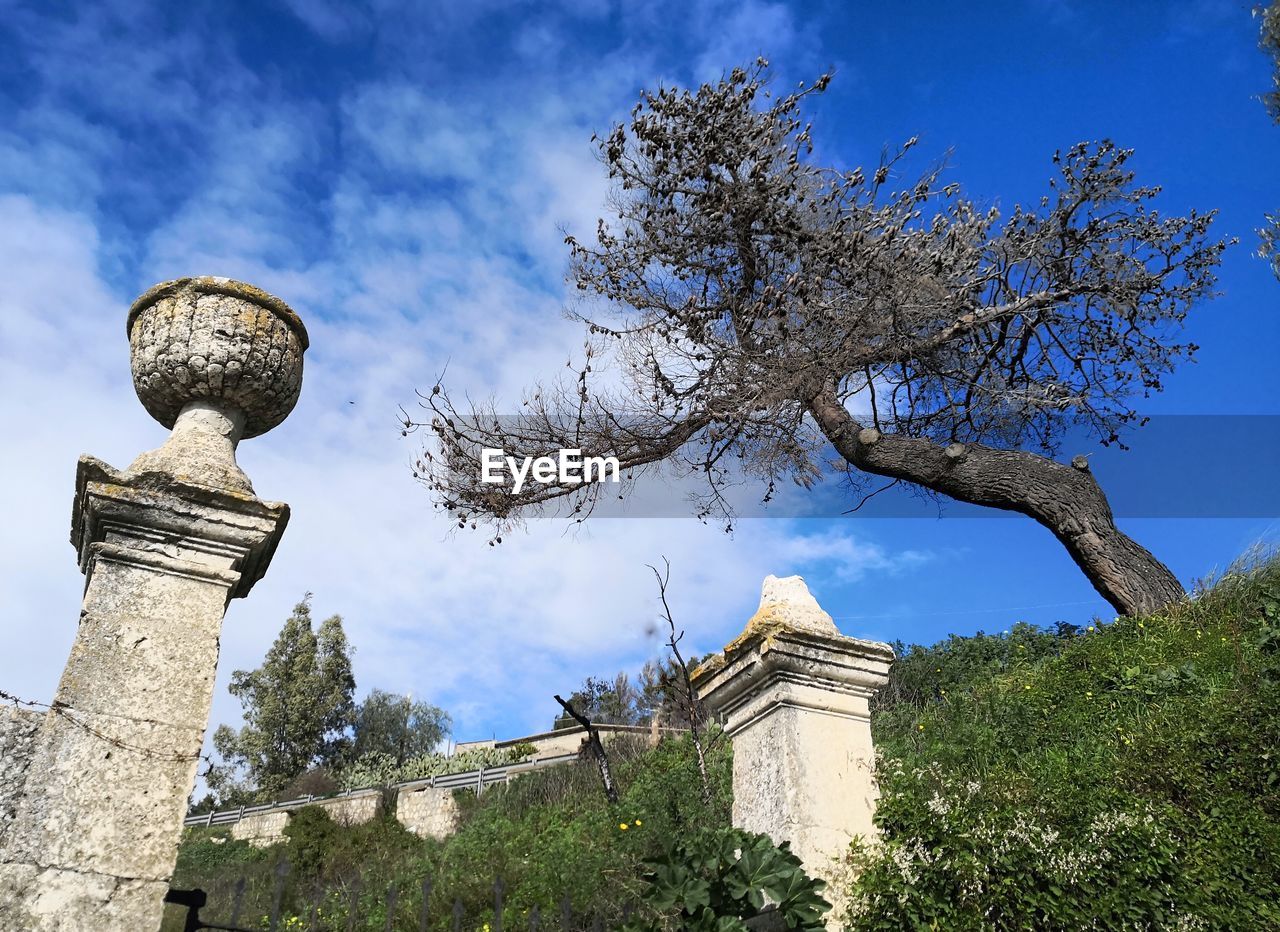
{"points": [[164, 546], [793, 696]]}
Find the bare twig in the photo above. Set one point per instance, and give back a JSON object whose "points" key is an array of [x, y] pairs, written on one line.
{"points": [[692, 708], [870, 495]]}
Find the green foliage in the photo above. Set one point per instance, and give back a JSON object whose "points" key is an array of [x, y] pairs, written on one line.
{"points": [[381, 769], [334, 688], [521, 751], [606, 702], [312, 834], [1118, 776], [922, 674], [713, 881], [1124, 776], [552, 833], [298, 707], [209, 850], [547, 834], [655, 693], [398, 727]]}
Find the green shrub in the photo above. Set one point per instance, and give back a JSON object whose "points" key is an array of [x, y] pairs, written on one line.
{"points": [[1121, 776], [205, 850], [313, 837]]}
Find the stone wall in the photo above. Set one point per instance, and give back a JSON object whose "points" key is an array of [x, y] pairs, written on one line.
{"points": [[262, 828], [267, 828], [428, 812], [18, 729]]}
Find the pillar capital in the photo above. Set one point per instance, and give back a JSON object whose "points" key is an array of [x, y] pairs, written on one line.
{"points": [[151, 518], [771, 667]]}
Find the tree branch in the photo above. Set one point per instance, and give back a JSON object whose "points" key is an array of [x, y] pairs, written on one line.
{"points": [[596, 747]]}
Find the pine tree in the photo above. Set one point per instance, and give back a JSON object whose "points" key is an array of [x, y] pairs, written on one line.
{"points": [[298, 709], [337, 688]]}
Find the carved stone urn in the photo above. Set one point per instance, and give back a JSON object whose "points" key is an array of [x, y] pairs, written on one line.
{"points": [[216, 360]]}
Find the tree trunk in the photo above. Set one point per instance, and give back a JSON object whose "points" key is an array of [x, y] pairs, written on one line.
{"points": [[1065, 499], [597, 750]]}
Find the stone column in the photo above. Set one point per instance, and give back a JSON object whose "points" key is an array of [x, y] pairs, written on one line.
{"points": [[164, 545], [793, 695]]}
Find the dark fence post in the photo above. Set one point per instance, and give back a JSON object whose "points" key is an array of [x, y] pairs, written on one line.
{"points": [[237, 901], [426, 904], [353, 904], [457, 916], [393, 896], [277, 894], [498, 889], [535, 919], [316, 895], [566, 913]]}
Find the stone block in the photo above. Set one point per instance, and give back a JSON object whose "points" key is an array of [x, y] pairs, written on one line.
{"points": [[428, 812]]}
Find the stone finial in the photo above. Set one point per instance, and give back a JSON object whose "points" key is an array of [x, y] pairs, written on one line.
{"points": [[787, 602], [215, 360]]}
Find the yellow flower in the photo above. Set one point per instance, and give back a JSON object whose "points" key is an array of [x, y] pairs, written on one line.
{"points": [[920, 727], [1090, 627], [1028, 686], [1088, 695], [638, 823], [623, 826]]}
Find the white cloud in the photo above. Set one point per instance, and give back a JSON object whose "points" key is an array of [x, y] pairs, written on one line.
{"points": [[411, 228]]}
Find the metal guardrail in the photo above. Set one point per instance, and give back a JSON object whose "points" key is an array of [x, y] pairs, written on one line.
{"points": [[479, 780]]}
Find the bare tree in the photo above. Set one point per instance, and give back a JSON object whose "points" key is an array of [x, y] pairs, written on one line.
{"points": [[687, 696], [756, 309]]}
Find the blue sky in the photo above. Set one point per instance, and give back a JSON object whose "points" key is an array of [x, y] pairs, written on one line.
{"points": [[400, 174]]}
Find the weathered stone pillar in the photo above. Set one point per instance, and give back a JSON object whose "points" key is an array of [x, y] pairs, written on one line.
{"points": [[163, 545], [793, 695]]}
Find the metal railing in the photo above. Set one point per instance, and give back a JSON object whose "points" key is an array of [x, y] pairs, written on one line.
{"points": [[479, 780]]}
